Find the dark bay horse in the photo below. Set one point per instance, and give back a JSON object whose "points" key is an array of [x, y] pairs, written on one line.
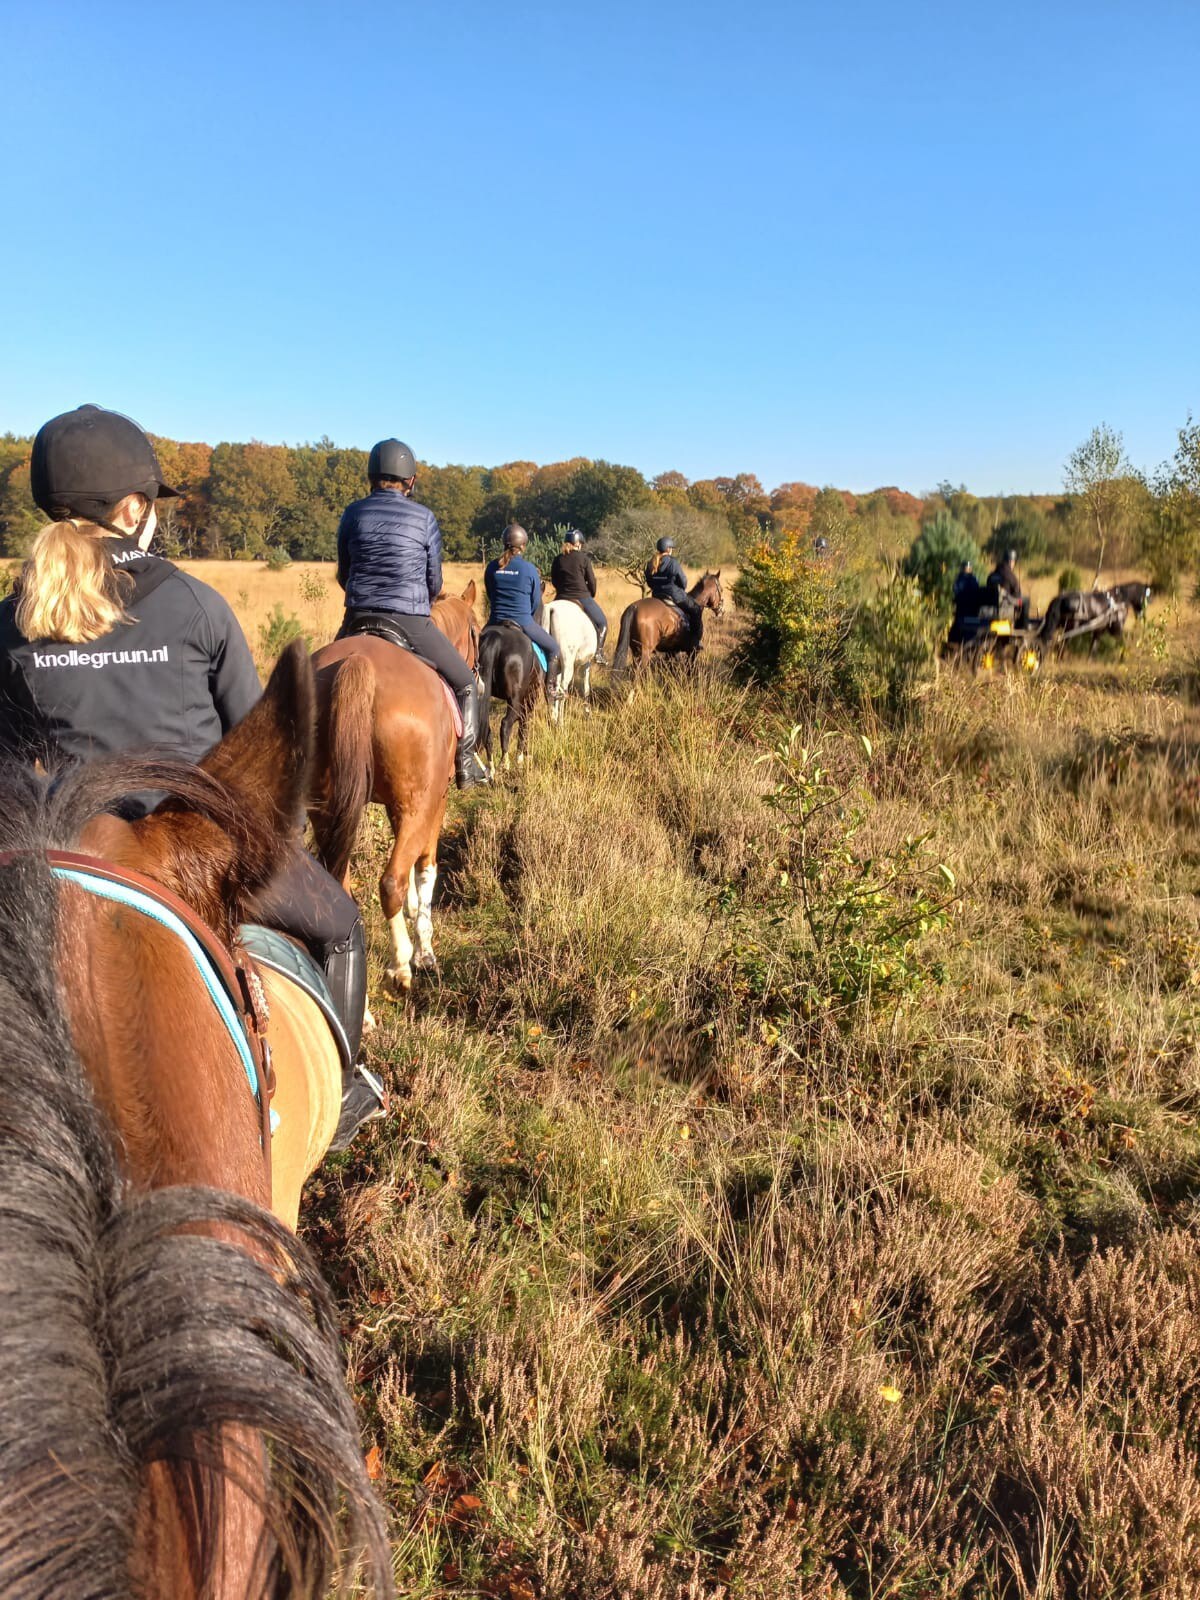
{"points": [[508, 671], [173, 1415], [651, 626], [386, 733], [1107, 609]]}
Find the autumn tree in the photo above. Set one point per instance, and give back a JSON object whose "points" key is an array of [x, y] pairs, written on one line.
{"points": [[252, 488], [455, 495], [1097, 476], [19, 517]]}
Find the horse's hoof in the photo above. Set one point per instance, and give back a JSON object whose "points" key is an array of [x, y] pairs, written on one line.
{"points": [[425, 961], [399, 979]]}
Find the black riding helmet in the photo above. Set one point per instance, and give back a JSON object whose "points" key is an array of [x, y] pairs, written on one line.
{"points": [[573, 537], [391, 459], [86, 461], [664, 544], [514, 537]]}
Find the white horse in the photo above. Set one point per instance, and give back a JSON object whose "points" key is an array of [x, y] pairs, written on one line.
{"points": [[571, 626]]}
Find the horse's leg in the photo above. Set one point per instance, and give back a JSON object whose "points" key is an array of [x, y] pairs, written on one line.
{"points": [[506, 728], [393, 893], [427, 872], [587, 687]]}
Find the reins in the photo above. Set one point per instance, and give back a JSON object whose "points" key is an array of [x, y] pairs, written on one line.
{"points": [[230, 981]]}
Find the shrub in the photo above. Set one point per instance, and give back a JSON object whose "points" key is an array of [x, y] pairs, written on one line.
{"points": [[900, 632], [278, 631], [936, 555], [1070, 578], [801, 629], [278, 559]]}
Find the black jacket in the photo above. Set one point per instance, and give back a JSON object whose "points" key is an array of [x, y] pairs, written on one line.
{"points": [[173, 679], [668, 580], [1003, 576], [573, 576]]}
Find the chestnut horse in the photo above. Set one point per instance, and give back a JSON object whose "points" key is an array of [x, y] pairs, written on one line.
{"points": [[651, 626], [173, 1415], [385, 733], [455, 616]]}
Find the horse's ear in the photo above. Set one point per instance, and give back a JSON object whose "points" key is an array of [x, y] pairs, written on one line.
{"points": [[220, 858], [468, 593]]}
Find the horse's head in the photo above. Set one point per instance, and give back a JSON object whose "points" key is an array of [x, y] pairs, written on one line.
{"points": [[709, 592], [468, 598]]}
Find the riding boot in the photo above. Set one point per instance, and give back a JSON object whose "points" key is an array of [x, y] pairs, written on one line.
{"points": [[363, 1095], [601, 635], [553, 673], [468, 770]]}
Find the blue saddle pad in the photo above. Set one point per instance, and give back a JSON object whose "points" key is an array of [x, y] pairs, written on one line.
{"points": [[539, 655]]}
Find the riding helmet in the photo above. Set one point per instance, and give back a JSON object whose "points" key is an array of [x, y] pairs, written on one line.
{"points": [[515, 537], [391, 459], [664, 544], [573, 537], [1010, 556], [87, 460]]}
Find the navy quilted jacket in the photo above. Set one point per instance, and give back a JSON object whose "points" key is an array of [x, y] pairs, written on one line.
{"points": [[389, 554]]}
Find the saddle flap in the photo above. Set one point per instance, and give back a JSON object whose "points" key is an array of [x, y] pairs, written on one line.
{"points": [[274, 950]]}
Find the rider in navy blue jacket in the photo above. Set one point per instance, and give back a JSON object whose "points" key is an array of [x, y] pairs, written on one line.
{"points": [[668, 581], [390, 562], [514, 592]]}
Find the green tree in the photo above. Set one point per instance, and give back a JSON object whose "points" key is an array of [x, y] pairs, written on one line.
{"points": [[455, 495], [936, 555], [1169, 534], [20, 519], [252, 489], [1097, 476]]}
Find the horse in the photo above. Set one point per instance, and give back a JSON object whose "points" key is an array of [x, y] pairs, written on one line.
{"points": [[1075, 608], [173, 1415], [576, 636], [652, 626], [455, 616], [386, 732], [1135, 595], [508, 671]]}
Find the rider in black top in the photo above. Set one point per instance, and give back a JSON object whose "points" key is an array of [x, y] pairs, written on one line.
{"points": [[668, 581], [106, 647], [574, 578]]}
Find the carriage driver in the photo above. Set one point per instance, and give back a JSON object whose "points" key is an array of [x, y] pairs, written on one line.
{"points": [[165, 667], [668, 581], [514, 591], [390, 560], [1003, 579], [574, 578]]}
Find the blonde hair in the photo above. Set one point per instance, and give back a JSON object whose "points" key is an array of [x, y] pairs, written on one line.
{"points": [[656, 562], [69, 589]]}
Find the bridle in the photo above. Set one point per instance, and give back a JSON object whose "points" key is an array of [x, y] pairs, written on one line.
{"points": [[233, 986]]}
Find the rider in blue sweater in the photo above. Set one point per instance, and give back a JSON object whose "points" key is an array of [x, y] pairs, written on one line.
{"points": [[514, 592]]}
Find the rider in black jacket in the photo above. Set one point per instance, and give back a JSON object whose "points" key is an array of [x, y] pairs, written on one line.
{"points": [[668, 581], [106, 647], [574, 578]]}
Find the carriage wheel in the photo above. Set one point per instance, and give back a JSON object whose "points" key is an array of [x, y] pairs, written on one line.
{"points": [[984, 656], [1029, 657]]}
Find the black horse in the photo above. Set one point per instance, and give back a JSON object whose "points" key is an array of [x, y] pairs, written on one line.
{"points": [[1099, 610], [508, 671], [1135, 595]]}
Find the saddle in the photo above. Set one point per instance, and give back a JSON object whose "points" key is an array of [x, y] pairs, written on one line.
{"points": [[378, 623], [539, 655], [269, 948]]}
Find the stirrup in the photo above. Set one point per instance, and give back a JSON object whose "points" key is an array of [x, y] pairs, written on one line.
{"points": [[363, 1100]]}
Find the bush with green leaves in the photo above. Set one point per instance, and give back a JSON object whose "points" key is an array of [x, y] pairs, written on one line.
{"points": [[937, 554], [900, 631], [278, 631], [801, 620], [838, 924], [1070, 579]]}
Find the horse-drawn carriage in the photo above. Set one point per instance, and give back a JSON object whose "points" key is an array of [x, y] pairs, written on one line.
{"points": [[1004, 637]]}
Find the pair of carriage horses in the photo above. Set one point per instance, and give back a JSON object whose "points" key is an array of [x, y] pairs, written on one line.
{"points": [[174, 1420]]}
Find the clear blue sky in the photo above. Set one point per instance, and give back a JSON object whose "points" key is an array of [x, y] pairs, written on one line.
{"points": [[858, 243]]}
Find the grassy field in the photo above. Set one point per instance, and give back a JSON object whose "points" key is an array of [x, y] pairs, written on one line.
{"points": [[732, 1236]]}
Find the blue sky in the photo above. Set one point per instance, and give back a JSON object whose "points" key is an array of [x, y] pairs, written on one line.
{"points": [[862, 243]]}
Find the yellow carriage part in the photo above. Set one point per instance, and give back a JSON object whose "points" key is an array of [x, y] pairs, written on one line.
{"points": [[1002, 626], [1030, 660]]}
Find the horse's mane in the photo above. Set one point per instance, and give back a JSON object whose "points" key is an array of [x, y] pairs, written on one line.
{"points": [[127, 1334]]}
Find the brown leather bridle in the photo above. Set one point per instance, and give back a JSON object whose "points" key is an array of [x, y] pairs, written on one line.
{"points": [[234, 970]]}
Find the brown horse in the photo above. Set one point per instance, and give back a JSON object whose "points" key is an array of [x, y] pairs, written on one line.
{"points": [[173, 1416], [650, 626], [455, 616], [385, 733]]}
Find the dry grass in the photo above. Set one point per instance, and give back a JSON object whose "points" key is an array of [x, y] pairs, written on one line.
{"points": [[647, 1299]]}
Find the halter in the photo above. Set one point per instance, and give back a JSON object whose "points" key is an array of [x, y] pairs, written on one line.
{"points": [[231, 984]]}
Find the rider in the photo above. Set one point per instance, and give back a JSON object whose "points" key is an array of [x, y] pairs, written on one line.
{"points": [[1003, 579], [390, 561], [968, 595], [514, 591], [164, 665], [574, 578], [668, 581]]}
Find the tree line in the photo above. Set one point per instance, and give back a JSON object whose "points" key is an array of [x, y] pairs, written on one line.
{"points": [[260, 501]]}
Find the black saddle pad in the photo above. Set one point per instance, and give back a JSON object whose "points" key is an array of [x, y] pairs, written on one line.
{"points": [[379, 623]]}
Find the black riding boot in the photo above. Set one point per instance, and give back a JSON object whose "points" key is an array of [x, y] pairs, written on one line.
{"points": [[363, 1098], [553, 673], [601, 635], [468, 770]]}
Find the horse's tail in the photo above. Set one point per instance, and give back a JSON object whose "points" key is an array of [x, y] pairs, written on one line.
{"points": [[487, 664], [149, 1362], [350, 772], [624, 637]]}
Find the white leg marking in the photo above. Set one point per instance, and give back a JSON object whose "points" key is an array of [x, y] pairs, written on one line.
{"points": [[400, 972], [425, 957]]}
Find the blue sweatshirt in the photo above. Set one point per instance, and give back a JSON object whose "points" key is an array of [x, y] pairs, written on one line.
{"points": [[514, 592]]}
